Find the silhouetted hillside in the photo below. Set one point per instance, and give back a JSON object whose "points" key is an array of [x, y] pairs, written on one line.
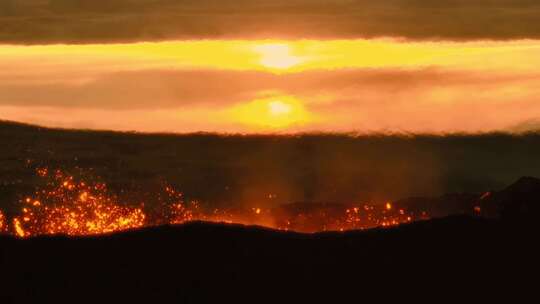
{"points": [[456, 257], [520, 201], [440, 206]]}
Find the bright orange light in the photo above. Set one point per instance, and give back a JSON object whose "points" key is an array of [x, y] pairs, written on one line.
{"points": [[88, 208], [276, 112], [3, 224], [74, 208], [18, 228]]}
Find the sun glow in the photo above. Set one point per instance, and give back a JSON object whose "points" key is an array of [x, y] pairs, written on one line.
{"points": [[277, 56], [278, 108], [274, 112]]}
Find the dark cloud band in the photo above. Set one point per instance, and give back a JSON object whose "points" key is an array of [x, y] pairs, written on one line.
{"points": [[84, 21]]}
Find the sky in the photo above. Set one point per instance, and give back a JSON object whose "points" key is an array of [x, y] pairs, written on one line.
{"points": [[277, 66]]}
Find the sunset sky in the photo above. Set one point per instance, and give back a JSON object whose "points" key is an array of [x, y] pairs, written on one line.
{"points": [[272, 66]]}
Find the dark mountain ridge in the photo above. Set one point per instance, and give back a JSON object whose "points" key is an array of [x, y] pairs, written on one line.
{"points": [[520, 201]]}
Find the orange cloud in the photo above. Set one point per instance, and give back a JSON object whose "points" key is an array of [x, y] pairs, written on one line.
{"points": [[357, 85]]}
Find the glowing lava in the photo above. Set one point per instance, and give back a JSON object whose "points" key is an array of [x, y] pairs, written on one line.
{"points": [[3, 225], [70, 206], [74, 208], [313, 217]]}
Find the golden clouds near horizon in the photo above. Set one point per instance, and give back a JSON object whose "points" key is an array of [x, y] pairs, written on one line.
{"points": [[279, 56], [274, 85]]}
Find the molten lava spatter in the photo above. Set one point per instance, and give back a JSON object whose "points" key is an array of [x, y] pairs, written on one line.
{"points": [[178, 211], [313, 217], [3, 225], [77, 207], [72, 207]]}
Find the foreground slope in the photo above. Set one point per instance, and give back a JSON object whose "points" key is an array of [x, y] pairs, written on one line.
{"points": [[203, 263]]}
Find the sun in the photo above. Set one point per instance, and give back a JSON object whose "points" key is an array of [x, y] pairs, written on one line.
{"points": [[277, 56], [278, 108], [274, 113]]}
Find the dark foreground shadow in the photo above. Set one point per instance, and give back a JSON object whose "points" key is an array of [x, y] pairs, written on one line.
{"points": [[453, 258]]}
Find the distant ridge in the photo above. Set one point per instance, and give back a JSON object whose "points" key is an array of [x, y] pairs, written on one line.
{"points": [[524, 187], [519, 201], [11, 123], [346, 134]]}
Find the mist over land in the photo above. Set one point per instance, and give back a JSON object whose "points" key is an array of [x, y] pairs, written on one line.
{"points": [[269, 170]]}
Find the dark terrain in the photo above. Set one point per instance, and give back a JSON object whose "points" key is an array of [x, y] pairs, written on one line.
{"points": [[453, 258], [460, 258]]}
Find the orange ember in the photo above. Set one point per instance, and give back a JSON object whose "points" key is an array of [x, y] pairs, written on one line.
{"points": [[313, 217], [485, 195], [66, 205], [74, 208], [477, 209], [3, 225]]}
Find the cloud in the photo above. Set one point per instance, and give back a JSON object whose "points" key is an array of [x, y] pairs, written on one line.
{"points": [[154, 89], [84, 21], [159, 89], [425, 100], [351, 92]]}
